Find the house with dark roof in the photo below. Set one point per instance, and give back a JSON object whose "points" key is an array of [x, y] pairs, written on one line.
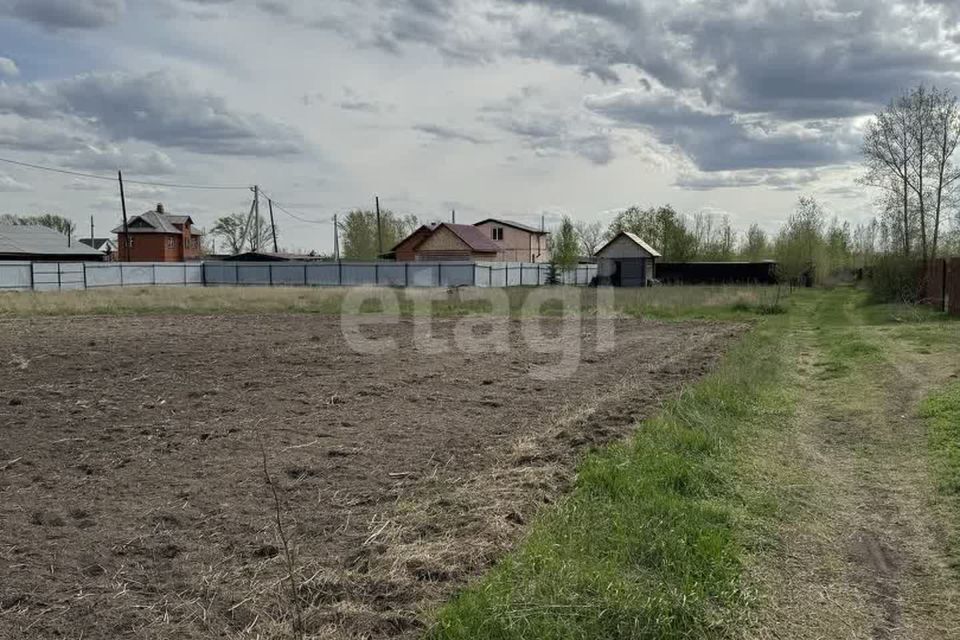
{"points": [[516, 242], [106, 246], [158, 236], [446, 242], [42, 244]]}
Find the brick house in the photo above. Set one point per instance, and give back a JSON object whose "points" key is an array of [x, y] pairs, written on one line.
{"points": [[517, 242], [157, 236], [446, 242]]}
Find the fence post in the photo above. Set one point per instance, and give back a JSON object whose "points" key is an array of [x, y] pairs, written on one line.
{"points": [[376, 274], [339, 273], [439, 274], [33, 283], [521, 274], [59, 277], [406, 274], [203, 273], [270, 271], [490, 276], [84, 275], [154, 265], [306, 283], [236, 273], [121, 275], [943, 287]]}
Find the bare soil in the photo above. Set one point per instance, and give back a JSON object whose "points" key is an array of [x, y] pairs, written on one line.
{"points": [[133, 501]]}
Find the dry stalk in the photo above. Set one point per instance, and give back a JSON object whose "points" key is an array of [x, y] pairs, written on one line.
{"points": [[297, 620]]}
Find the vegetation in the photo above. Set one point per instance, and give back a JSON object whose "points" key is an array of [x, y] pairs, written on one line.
{"points": [[647, 545], [739, 490], [564, 246], [241, 232], [361, 239], [59, 223]]}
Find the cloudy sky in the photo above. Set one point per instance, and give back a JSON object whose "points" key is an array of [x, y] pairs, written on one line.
{"points": [[508, 108]]}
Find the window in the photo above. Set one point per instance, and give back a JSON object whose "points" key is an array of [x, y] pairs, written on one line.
{"points": [[498, 233], [171, 242]]}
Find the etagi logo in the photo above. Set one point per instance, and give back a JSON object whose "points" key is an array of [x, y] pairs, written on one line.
{"points": [[552, 322]]}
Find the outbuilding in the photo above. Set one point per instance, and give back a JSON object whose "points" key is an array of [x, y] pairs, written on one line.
{"points": [[626, 261], [41, 244]]}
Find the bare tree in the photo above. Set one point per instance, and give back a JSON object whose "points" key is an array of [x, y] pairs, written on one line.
{"points": [[888, 153], [590, 235], [908, 149], [945, 125]]}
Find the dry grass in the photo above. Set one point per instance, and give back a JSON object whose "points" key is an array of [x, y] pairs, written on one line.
{"points": [[658, 302]]}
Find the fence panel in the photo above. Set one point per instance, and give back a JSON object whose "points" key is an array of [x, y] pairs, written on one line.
{"points": [[137, 274], [46, 276], [103, 274], [323, 274], [953, 286], [16, 276]]}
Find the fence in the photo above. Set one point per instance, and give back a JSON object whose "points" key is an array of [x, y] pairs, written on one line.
{"points": [[941, 284], [54, 276]]}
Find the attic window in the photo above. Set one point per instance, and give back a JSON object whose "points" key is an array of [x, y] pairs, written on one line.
{"points": [[498, 233]]}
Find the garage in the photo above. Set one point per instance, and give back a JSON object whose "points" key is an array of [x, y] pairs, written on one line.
{"points": [[626, 261]]}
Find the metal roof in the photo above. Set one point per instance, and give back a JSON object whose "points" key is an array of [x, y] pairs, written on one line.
{"points": [[515, 225], [97, 243], [157, 223], [37, 240], [474, 238], [637, 240]]}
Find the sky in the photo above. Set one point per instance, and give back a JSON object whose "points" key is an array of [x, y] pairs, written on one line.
{"points": [[495, 108]]}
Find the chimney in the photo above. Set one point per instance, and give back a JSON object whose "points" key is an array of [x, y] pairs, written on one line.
{"points": [[159, 207]]}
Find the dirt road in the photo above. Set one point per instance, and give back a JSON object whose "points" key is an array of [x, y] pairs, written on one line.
{"points": [[862, 552]]}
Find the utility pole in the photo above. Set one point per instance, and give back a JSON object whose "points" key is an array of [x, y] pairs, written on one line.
{"points": [[379, 231], [543, 222], [91, 231], [125, 249], [256, 217], [453, 216], [273, 227], [336, 239]]}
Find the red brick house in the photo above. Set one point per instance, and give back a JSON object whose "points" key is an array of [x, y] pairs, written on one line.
{"points": [[157, 236], [446, 242]]}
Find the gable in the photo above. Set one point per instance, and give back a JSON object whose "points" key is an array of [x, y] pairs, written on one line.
{"points": [[442, 239], [625, 246]]}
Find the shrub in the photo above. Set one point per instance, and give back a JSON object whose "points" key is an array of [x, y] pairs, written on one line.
{"points": [[896, 279]]}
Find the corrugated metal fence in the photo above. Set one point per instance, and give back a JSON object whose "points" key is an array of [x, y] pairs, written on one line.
{"points": [[53, 276], [941, 284]]}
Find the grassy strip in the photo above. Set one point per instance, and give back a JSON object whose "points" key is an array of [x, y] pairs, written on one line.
{"points": [[942, 412], [650, 543], [669, 303]]}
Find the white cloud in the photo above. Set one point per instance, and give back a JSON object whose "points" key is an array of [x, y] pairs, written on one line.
{"points": [[8, 68]]}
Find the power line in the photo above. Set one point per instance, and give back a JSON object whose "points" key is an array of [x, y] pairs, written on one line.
{"points": [[91, 176], [295, 216]]}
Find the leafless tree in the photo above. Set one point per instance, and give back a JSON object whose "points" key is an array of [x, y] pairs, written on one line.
{"points": [[590, 235], [908, 149]]}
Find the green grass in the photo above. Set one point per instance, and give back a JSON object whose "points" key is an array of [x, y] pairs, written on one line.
{"points": [[942, 412], [648, 544]]}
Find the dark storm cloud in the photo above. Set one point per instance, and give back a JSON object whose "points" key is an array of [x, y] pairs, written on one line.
{"points": [[721, 141], [157, 107], [66, 14]]}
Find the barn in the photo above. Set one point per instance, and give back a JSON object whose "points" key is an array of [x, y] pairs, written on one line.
{"points": [[626, 261]]}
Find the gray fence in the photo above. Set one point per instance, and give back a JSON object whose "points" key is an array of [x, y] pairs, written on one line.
{"points": [[53, 276]]}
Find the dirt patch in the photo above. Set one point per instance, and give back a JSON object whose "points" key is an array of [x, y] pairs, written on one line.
{"points": [[132, 497]]}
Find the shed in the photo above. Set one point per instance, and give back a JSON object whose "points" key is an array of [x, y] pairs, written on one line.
{"points": [[626, 261], [42, 244]]}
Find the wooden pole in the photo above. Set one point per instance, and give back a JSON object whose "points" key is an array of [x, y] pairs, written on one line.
{"points": [[379, 232], [91, 231], [336, 239], [256, 216], [125, 249], [273, 227]]}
